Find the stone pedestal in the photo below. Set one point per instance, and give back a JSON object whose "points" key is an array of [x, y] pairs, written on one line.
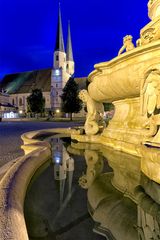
{"points": [[126, 130]]}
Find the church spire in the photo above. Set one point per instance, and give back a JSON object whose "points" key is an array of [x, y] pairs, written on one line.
{"points": [[69, 45], [59, 40]]}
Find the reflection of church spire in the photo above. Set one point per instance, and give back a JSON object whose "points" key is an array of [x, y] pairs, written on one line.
{"points": [[69, 45], [59, 40], [70, 170], [62, 187]]}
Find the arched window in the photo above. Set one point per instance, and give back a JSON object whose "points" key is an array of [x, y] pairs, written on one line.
{"points": [[20, 102]]}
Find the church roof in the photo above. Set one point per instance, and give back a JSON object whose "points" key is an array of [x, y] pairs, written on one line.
{"points": [[59, 40], [25, 82], [69, 54]]}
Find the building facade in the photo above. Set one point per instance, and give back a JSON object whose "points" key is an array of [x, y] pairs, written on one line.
{"points": [[7, 110]]}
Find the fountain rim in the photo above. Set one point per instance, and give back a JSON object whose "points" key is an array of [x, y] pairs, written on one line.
{"points": [[141, 50], [14, 183]]}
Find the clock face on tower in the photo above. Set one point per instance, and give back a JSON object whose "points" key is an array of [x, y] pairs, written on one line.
{"points": [[56, 72]]}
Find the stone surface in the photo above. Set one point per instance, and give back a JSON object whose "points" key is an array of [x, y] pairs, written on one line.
{"points": [[15, 181], [10, 136]]}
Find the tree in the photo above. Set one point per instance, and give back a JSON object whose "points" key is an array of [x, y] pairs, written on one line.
{"points": [[36, 101], [70, 100], [108, 106]]}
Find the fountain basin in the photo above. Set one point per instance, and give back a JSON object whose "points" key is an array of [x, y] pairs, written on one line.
{"points": [[121, 81], [121, 77]]}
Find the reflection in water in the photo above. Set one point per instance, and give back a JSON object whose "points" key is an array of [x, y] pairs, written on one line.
{"points": [[55, 204], [123, 202], [148, 209], [95, 166], [63, 169]]}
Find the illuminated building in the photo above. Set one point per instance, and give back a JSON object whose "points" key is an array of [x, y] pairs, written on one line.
{"points": [[51, 81]]}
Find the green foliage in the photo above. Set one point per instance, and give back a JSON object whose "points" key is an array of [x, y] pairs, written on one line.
{"points": [[36, 101], [108, 106], [70, 101]]}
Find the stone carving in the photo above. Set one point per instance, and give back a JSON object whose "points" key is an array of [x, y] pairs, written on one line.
{"points": [[95, 112], [127, 44], [150, 3], [151, 32], [149, 35], [150, 100]]}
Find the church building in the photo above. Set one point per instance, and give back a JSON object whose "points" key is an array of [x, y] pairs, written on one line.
{"points": [[51, 81]]}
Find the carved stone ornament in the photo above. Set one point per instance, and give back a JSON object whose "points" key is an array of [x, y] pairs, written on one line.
{"points": [[150, 100], [127, 44], [95, 112]]}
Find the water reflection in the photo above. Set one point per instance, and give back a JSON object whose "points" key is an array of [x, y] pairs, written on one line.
{"points": [[124, 204], [55, 205], [63, 169], [95, 166], [122, 201]]}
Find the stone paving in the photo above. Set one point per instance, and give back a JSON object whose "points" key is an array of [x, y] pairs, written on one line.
{"points": [[10, 133]]}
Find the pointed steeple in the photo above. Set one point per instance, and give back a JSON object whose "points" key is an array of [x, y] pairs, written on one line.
{"points": [[69, 53], [59, 40]]}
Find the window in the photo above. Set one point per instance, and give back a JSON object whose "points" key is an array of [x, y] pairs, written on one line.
{"points": [[56, 85], [13, 101], [57, 58], [20, 102]]}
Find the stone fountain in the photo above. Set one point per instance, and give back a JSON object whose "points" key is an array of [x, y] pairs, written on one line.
{"points": [[131, 81]]}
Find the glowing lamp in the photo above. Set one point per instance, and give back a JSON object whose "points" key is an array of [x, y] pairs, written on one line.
{"points": [[57, 111]]}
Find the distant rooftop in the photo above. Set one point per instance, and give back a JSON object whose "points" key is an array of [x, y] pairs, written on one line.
{"points": [[25, 82]]}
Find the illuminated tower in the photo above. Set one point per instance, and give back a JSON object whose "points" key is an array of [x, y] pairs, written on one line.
{"points": [[60, 74], [69, 55]]}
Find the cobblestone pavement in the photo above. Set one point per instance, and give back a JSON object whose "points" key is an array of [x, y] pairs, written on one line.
{"points": [[10, 133]]}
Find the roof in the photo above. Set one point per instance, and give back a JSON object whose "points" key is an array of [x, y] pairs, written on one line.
{"points": [[69, 54], [59, 40], [25, 82]]}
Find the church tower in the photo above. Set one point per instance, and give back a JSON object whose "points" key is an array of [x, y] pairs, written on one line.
{"points": [[69, 56], [59, 51], [63, 66]]}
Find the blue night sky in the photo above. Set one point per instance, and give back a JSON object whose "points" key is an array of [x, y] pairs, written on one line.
{"points": [[28, 31]]}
